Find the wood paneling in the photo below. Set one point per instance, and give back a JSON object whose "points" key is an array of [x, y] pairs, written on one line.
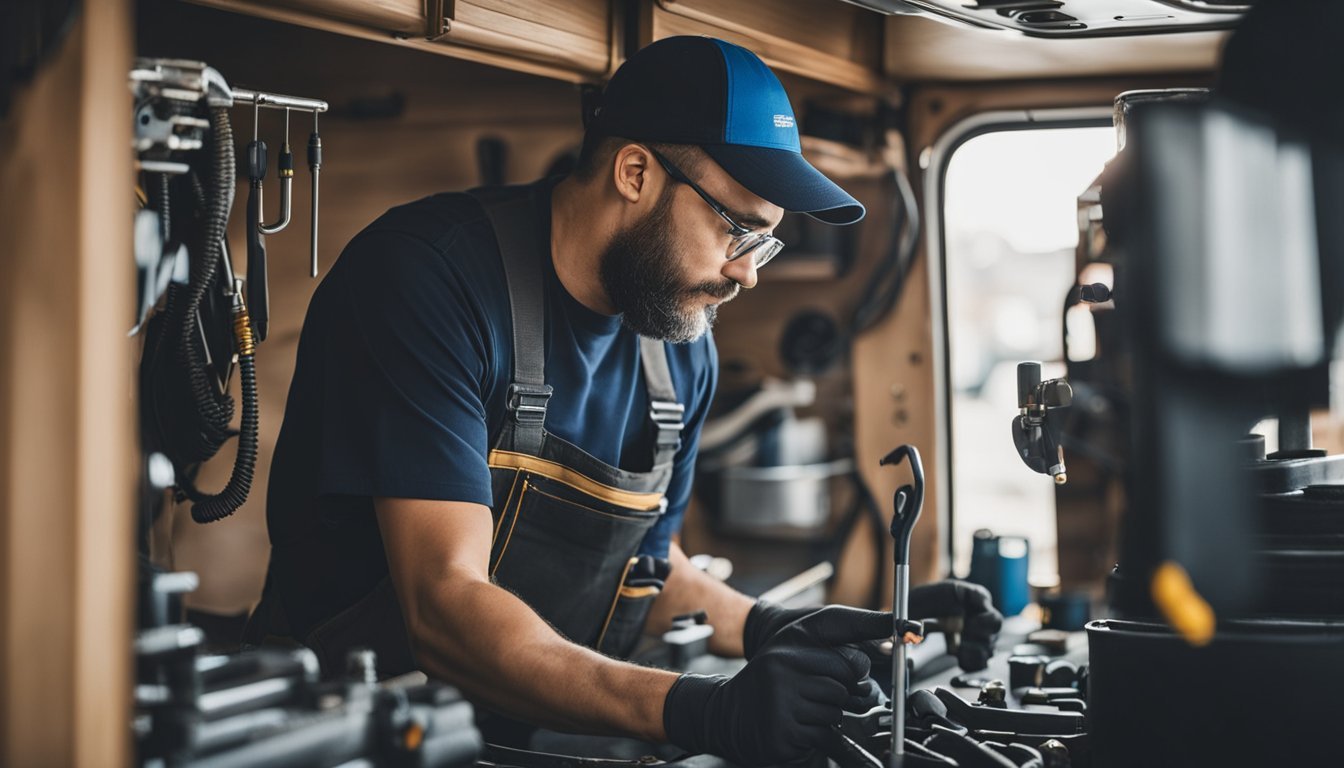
{"points": [[406, 17], [575, 34], [832, 42], [67, 438]]}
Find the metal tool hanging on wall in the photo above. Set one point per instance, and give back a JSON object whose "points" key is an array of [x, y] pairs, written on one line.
{"points": [[192, 307], [258, 290]]}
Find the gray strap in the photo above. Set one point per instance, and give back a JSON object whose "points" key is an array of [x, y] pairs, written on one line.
{"points": [[528, 395], [665, 411]]}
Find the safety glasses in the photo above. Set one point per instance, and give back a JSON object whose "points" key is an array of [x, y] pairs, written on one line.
{"points": [[761, 245]]}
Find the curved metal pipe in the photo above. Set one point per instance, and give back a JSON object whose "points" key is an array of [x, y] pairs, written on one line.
{"points": [[286, 173]]}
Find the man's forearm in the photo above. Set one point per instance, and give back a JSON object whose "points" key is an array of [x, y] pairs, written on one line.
{"points": [[688, 589], [493, 646]]}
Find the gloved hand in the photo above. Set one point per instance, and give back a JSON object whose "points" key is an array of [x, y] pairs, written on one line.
{"points": [[764, 620], [782, 705], [944, 599], [971, 602]]}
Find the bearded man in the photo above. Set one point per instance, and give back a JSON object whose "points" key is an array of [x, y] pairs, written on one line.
{"points": [[489, 440]]}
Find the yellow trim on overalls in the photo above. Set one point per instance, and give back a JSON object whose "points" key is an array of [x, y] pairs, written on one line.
{"points": [[558, 472]]}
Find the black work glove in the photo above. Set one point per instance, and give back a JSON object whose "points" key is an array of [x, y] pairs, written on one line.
{"points": [[966, 601], [783, 704], [764, 620]]}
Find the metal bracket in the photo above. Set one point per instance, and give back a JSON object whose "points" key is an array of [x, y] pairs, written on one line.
{"points": [[668, 418], [528, 403]]}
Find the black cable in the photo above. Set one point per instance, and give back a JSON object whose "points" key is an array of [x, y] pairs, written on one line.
{"points": [[885, 288], [834, 547], [211, 508], [214, 409], [879, 298]]}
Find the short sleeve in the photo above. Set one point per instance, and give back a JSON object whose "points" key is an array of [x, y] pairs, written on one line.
{"points": [[403, 414]]}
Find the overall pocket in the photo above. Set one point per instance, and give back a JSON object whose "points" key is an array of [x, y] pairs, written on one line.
{"points": [[565, 553], [643, 582]]}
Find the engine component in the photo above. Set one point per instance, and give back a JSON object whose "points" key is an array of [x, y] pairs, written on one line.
{"points": [[1036, 435]]}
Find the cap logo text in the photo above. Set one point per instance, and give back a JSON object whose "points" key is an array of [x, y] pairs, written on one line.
{"points": [[783, 121]]}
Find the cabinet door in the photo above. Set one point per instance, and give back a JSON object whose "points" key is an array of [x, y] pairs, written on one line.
{"points": [[832, 42], [575, 35], [400, 17]]}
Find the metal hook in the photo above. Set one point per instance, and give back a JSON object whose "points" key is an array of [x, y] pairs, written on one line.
{"points": [[258, 294], [286, 172]]}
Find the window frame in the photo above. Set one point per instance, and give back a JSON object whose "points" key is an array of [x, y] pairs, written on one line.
{"points": [[934, 162]]}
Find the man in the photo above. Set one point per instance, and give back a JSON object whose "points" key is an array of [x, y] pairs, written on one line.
{"points": [[488, 443]]}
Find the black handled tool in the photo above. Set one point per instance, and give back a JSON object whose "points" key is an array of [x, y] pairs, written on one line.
{"points": [[258, 295], [1017, 721], [907, 503]]}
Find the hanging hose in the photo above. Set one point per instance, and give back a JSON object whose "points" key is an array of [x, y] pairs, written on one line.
{"points": [[208, 509], [215, 409], [188, 408], [865, 506], [884, 289]]}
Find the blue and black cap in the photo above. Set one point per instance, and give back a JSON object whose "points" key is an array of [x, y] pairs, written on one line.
{"points": [[722, 98]]}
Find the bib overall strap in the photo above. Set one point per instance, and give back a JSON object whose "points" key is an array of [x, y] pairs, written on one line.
{"points": [[664, 410], [515, 230]]}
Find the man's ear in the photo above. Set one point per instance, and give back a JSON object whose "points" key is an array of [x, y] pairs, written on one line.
{"points": [[630, 172]]}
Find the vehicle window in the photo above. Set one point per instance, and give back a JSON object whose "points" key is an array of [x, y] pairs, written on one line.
{"points": [[1010, 231]]}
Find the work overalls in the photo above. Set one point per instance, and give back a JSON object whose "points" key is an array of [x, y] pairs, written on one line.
{"points": [[567, 527]]}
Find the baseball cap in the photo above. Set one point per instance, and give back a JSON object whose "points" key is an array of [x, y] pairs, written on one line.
{"points": [[724, 99]]}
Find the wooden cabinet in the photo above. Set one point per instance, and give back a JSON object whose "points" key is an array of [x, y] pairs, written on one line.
{"points": [[403, 17], [827, 41], [832, 42], [573, 34]]}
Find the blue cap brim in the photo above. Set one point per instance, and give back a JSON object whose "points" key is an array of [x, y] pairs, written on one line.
{"points": [[786, 179]]}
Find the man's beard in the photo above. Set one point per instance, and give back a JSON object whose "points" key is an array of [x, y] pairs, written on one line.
{"points": [[642, 274]]}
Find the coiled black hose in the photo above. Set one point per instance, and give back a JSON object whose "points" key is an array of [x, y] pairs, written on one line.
{"points": [[215, 409], [208, 509]]}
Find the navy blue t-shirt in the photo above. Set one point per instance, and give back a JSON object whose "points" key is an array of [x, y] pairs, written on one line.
{"points": [[403, 363]]}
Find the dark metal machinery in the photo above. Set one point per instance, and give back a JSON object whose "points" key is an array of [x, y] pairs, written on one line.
{"points": [[269, 707], [1221, 225]]}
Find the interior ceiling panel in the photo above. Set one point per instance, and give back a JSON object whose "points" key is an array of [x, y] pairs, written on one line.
{"points": [[922, 49], [1076, 18]]}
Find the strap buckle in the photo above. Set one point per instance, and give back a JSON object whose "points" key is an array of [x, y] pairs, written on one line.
{"points": [[528, 402], [667, 417]]}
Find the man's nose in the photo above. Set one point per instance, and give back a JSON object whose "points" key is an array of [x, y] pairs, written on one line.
{"points": [[741, 271]]}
